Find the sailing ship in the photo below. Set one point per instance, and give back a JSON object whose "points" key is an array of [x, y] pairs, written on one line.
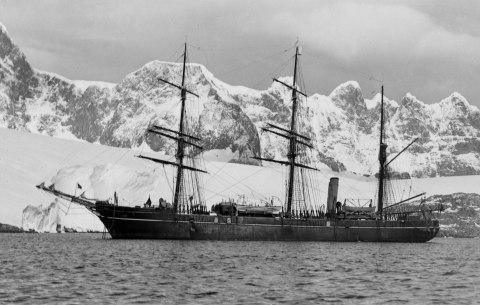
{"points": [[188, 217]]}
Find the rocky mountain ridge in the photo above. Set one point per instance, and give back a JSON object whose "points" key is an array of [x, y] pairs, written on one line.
{"points": [[343, 125]]}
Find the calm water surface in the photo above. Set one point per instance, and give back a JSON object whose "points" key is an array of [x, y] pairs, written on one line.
{"points": [[84, 268]]}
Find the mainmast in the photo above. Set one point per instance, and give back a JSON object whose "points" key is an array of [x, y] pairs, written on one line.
{"points": [[292, 152], [181, 137], [382, 158], [292, 135]]}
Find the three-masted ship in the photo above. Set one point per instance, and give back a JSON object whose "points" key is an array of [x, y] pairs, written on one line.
{"points": [[188, 217]]}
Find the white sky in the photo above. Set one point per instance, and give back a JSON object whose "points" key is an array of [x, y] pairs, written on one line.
{"points": [[429, 48]]}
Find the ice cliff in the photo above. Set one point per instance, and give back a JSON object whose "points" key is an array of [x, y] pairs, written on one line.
{"points": [[59, 217]]}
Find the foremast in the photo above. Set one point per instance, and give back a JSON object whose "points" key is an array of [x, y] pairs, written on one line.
{"points": [[181, 137], [292, 152], [180, 143], [292, 135]]}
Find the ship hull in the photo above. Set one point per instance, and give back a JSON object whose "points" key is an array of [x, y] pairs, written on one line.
{"points": [[140, 223]]}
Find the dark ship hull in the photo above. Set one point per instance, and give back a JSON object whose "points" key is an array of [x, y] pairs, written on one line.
{"points": [[155, 223]]}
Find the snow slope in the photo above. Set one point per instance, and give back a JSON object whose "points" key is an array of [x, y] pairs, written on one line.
{"points": [[28, 159]]}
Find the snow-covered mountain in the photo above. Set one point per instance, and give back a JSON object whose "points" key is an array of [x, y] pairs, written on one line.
{"points": [[343, 124]]}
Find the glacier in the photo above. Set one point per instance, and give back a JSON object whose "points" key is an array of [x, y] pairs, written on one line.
{"points": [[59, 217]]}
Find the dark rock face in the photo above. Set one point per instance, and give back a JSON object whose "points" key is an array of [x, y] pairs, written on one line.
{"points": [[17, 73], [335, 165], [413, 118], [4, 228], [230, 128], [461, 217], [349, 98], [19, 83], [451, 166], [88, 112], [471, 145], [279, 111], [58, 92]]}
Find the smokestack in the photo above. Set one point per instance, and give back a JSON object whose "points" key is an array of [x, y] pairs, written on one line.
{"points": [[332, 195]]}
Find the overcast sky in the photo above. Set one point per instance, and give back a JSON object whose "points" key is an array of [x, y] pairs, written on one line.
{"points": [[428, 48]]}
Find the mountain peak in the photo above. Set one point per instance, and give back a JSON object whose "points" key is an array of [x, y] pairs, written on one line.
{"points": [[410, 101], [285, 79], [456, 105], [347, 87], [349, 95], [456, 97], [3, 29], [164, 69], [410, 96], [457, 100], [376, 100], [146, 77], [280, 89]]}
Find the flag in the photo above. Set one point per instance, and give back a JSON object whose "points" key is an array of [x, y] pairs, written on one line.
{"points": [[79, 186]]}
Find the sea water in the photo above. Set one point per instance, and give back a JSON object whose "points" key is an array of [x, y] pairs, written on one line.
{"points": [[86, 269]]}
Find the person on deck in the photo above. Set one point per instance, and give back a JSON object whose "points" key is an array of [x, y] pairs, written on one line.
{"points": [[191, 203], [339, 207], [162, 203], [149, 202]]}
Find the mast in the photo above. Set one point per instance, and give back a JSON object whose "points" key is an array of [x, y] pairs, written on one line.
{"points": [[181, 137], [292, 153], [292, 136], [180, 147], [382, 158]]}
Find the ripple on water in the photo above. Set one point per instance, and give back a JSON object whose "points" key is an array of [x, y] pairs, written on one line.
{"points": [[83, 268]]}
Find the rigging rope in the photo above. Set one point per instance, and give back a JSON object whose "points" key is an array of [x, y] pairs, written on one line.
{"points": [[364, 75], [218, 193], [274, 72], [254, 62]]}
